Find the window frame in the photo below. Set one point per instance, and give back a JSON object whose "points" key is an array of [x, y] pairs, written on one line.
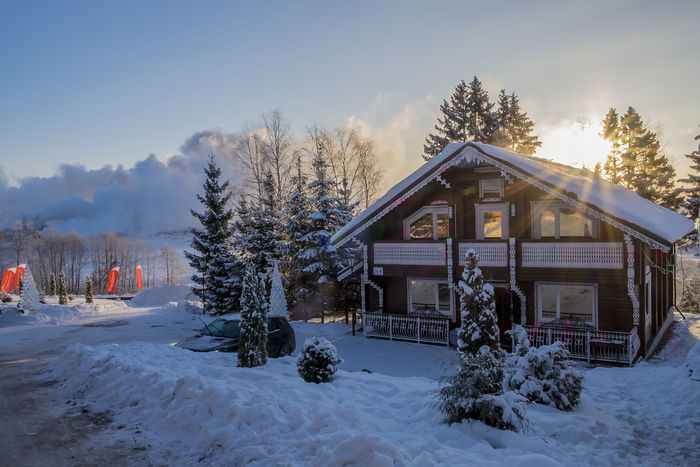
{"points": [[434, 210], [539, 206], [481, 208], [436, 282], [538, 300], [487, 188]]}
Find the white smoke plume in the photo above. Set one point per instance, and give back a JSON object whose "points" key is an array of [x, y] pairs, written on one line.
{"points": [[152, 197]]}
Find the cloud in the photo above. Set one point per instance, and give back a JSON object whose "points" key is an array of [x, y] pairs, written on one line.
{"points": [[152, 197], [399, 140]]}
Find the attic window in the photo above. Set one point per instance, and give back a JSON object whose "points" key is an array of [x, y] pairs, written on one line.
{"points": [[556, 220], [428, 223], [491, 188]]}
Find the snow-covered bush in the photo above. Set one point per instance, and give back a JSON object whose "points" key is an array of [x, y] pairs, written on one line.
{"points": [[476, 390], [318, 360], [52, 284], [692, 362], [5, 298], [690, 300], [252, 344], [543, 374], [29, 295]]}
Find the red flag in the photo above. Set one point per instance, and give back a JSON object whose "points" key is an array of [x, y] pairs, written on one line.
{"points": [[18, 274], [139, 281], [112, 280], [7, 278]]}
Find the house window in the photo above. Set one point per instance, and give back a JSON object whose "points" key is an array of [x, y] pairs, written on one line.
{"points": [[556, 220], [491, 188], [429, 223], [567, 302], [491, 220], [430, 296]]}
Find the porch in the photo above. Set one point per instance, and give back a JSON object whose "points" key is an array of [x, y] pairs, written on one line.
{"points": [[587, 343], [415, 327]]}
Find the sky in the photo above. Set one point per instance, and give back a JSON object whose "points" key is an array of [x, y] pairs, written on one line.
{"points": [[87, 84]]}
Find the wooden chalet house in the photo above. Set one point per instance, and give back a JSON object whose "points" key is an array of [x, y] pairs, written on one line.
{"points": [[572, 257]]}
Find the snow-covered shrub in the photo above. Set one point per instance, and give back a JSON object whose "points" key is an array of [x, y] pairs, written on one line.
{"points": [[318, 360], [5, 298], [29, 295], [476, 390], [692, 362], [52, 284], [252, 344], [690, 300], [544, 374]]}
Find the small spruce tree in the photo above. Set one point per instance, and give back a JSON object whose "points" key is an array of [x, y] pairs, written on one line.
{"points": [[62, 290], [278, 302], [252, 344], [29, 295], [476, 390], [88, 290], [52, 284]]}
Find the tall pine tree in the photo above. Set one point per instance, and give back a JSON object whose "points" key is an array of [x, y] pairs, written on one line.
{"points": [[217, 280], [635, 160], [691, 201], [469, 116]]}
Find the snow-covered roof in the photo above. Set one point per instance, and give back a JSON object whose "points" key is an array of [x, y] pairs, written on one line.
{"points": [[614, 201]]}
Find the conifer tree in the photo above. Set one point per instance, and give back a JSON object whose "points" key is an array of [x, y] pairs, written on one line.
{"points": [[52, 284], [88, 290], [252, 346], [217, 269], [512, 127], [476, 390], [62, 291], [297, 225], [691, 203], [29, 295], [278, 301], [635, 161], [318, 257]]}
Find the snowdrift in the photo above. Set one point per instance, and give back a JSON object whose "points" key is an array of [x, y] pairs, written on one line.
{"points": [[162, 295]]}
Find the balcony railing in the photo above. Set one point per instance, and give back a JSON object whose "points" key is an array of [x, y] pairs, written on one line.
{"points": [[416, 328], [599, 255], [490, 254], [411, 253], [607, 346]]}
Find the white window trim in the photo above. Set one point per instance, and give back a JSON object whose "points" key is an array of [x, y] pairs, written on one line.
{"points": [[481, 208], [538, 300], [437, 297], [434, 209], [538, 206], [489, 190]]}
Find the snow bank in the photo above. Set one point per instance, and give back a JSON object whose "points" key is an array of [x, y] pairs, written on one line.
{"points": [[51, 314], [201, 407], [162, 295], [692, 362]]}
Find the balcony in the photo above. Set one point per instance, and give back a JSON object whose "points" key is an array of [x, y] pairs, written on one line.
{"points": [[491, 254], [411, 253], [591, 255]]}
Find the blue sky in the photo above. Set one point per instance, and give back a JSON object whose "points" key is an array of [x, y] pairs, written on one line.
{"points": [[110, 82]]}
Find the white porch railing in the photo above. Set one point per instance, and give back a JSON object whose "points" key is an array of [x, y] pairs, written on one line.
{"points": [[598, 255], [407, 327], [606, 346], [490, 254], [413, 253]]}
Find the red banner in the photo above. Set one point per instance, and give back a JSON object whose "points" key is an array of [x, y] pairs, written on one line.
{"points": [[18, 274], [7, 278], [139, 280], [112, 280]]}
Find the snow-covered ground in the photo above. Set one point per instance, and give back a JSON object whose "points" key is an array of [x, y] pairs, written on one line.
{"points": [[189, 408]]}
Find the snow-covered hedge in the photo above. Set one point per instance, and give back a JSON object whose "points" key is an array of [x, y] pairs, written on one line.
{"points": [[543, 374], [318, 360]]}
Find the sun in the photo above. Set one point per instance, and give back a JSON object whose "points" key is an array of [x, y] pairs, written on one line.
{"points": [[574, 142]]}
